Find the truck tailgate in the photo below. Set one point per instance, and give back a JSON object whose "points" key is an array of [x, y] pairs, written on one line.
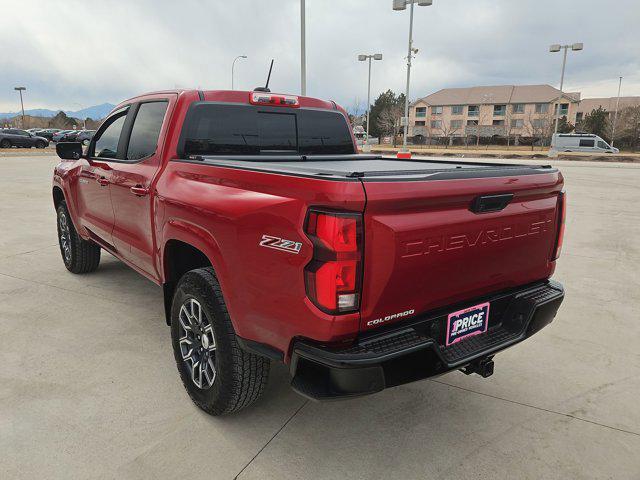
{"points": [[425, 248]]}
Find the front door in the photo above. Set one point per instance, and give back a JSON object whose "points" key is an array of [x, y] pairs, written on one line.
{"points": [[95, 209], [132, 182]]}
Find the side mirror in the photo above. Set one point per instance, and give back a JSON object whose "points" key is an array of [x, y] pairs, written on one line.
{"points": [[69, 150]]}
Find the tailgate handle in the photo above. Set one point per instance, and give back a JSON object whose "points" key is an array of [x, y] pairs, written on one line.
{"points": [[490, 203]]}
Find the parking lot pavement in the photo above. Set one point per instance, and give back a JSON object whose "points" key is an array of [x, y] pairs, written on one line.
{"points": [[89, 389]]}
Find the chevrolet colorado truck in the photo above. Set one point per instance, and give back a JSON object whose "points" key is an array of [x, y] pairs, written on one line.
{"points": [[274, 240]]}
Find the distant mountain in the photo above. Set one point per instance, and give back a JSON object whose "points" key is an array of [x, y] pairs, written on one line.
{"points": [[96, 112]]}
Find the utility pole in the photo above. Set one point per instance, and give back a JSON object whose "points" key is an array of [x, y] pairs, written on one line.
{"points": [[615, 116], [553, 49], [363, 58], [20, 90], [402, 5]]}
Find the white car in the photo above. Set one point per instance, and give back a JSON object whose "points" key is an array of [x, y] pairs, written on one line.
{"points": [[580, 142]]}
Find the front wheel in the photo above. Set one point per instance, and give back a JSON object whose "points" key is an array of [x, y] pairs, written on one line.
{"points": [[78, 255], [218, 375], [40, 144]]}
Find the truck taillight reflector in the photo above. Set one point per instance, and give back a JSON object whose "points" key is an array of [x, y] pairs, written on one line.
{"points": [[273, 99], [562, 215], [333, 277]]}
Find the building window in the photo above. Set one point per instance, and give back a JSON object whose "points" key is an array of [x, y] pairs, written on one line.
{"points": [[473, 110], [517, 108], [499, 110], [538, 123], [421, 111], [564, 108], [455, 124], [498, 122], [419, 123], [517, 123], [436, 123], [471, 123], [542, 107], [579, 116], [457, 110], [436, 110]]}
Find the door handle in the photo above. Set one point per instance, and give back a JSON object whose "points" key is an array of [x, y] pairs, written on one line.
{"points": [[139, 191], [102, 181]]}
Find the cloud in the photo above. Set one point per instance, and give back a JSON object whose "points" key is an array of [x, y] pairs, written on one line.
{"points": [[76, 53]]}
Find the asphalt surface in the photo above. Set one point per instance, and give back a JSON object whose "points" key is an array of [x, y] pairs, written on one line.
{"points": [[89, 388]]}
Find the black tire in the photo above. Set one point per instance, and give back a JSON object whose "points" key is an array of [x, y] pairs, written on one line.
{"points": [[5, 143], [240, 377], [78, 255], [40, 144]]}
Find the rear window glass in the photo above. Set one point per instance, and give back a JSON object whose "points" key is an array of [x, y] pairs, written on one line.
{"points": [[219, 129]]}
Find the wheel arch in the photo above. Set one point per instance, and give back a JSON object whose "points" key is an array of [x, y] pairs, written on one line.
{"points": [[187, 247]]}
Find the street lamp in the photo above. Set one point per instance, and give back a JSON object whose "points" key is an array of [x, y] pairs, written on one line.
{"points": [[364, 58], [402, 5], [615, 116], [233, 66], [21, 89], [303, 51], [554, 49]]}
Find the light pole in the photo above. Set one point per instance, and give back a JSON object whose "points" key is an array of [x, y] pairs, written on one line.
{"points": [[233, 65], [20, 90], [303, 51], [363, 58], [556, 48], [615, 116], [402, 5]]}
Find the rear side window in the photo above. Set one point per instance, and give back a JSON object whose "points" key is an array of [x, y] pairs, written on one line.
{"points": [[223, 129], [587, 143], [146, 130]]}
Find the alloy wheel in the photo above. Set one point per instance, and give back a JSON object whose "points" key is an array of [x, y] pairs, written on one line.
{"points": [[197, 344], [65, 236]]}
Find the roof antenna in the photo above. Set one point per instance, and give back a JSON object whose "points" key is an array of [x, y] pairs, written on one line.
{"points": [[266, 87]]}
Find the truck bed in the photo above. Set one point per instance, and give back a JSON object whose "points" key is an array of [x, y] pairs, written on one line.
{"points": [[370, 167]]}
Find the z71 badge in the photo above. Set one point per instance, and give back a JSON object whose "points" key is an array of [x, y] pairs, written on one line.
{"points": [[278, 243]]}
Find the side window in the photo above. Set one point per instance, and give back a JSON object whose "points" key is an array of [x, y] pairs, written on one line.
{"points": [[587, 143], [146, 129], [106, 144]]}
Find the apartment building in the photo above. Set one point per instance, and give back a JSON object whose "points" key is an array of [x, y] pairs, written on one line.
{"points": [[514, 110]]}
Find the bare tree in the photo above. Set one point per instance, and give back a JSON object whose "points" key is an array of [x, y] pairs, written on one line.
{"points": [[448, 131], [629, 125], [539, 126], [389, 121]]}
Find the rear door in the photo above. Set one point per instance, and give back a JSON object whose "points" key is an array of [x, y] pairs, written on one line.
{"points": [[426, 248], [132, 181]]}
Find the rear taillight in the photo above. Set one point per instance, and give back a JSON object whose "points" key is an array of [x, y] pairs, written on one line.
{"points": [[333, 277], [562, 215]]}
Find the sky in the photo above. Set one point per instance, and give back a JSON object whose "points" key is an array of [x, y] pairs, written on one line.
{"points": [[72, 54]]}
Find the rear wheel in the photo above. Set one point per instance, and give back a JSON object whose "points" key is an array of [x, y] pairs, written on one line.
{"points": [[218, 375], [5, 143], [78, 255]]}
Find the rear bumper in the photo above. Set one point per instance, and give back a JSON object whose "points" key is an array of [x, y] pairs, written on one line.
{"points": [[416, 350]]}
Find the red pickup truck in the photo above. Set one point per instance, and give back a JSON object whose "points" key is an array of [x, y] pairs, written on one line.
{"points": [[274, 240]]}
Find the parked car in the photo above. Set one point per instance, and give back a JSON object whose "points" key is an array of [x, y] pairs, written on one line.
{"points": [[34, 130], [48, 133], [14, 137], [274, 241], [85, 136], [59, 136], [580, 142]]}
